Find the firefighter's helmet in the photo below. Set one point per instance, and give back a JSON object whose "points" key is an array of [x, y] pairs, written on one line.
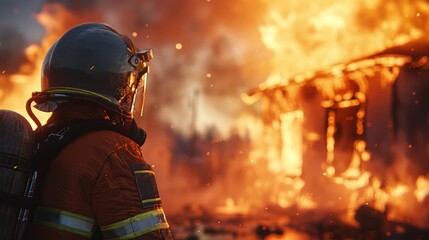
{"points": [[93, 62]]}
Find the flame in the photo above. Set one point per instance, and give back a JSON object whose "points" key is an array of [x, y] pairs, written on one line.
{"points": [[290, 161], [422, 189], [231, 207], [307, 36]]}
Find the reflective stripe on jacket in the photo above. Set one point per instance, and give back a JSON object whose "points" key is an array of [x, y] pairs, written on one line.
{"points": [[63, 220], [136, 226], [100, 180]]}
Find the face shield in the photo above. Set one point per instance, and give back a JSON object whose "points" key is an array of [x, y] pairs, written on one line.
{"points": [[138, 80], [139, 95]]}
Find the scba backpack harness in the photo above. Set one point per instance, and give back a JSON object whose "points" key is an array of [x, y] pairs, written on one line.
{"points": [[17, 206]]}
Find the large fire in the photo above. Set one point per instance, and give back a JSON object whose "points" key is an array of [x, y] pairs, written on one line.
{"points": [[305, 140], [309, 38]]}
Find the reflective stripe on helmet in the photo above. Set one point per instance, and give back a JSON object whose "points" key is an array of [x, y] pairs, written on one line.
{"points": [[63, 220], [76, 90], [136, 225]]}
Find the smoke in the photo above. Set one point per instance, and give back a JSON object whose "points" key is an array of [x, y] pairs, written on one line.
{"points": [[18, 29], [10, 40]]}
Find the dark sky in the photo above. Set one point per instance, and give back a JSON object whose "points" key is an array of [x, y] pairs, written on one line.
{"points": [[18, 29], [19, 15]]}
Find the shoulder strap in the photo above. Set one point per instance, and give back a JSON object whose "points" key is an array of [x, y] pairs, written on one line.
{"points": [[51, 140]]}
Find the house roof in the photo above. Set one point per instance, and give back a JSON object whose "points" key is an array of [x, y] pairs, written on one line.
{"points": [[388, 58]]}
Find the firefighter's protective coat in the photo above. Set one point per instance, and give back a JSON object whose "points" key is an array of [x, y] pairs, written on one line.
{"points": [[100, 180]]}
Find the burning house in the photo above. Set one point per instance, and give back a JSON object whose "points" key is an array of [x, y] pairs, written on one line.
{"points": [[349, 128], [340, 99]]}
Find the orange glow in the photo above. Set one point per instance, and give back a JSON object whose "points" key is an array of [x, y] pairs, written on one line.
{"points": [[307, 139]]}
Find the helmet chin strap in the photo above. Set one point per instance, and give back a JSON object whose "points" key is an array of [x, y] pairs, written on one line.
{"points": [[128, 127], [134, 132], [117, 119]]}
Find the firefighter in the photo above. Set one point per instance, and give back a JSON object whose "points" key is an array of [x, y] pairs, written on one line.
{"points": [[98, 186]]}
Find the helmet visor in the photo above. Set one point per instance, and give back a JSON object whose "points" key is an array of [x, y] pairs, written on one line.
{"points": [[139, 96], [138, 87]]}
